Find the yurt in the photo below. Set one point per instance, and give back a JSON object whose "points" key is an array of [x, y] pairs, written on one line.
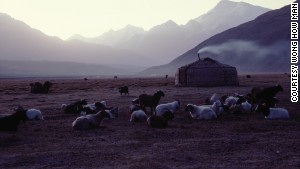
{"points": [[206, 72]]}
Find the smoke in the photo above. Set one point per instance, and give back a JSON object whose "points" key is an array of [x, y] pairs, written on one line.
{"points": [[248, 56]]}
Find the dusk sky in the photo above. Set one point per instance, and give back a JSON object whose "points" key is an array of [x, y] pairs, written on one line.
{"points": [[91, 18]]}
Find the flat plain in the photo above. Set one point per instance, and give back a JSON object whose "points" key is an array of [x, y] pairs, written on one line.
{"points": [[231, 141]]}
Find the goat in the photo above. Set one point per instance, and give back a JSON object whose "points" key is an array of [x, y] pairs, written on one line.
{"points": [[124, 89], [150, 100], [11, 122]]}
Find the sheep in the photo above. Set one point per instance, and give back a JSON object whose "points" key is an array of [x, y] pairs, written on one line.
{"points": [[246, 106], [89, 121], [11, 122], [138, 116], [201, 112], [38, 87], [94, 107], [160, 121], [74, 108], [173, 107], [113, 112], [150, 100], [32, 114], [124, 89], [273, 113], [265, 95]]}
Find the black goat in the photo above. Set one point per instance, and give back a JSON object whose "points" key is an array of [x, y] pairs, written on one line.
{"points": [[124, 89], [11, 122], [75, 108], [150, 100], [265, 95], [38, 87]]}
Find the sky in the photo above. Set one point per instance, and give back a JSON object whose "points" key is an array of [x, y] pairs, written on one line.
{"points": [[91, 18]]}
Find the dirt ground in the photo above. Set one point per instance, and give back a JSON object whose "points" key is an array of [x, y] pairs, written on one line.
{"points": [[231, 141]]}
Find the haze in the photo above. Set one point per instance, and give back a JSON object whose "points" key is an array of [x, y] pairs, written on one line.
{"points": [[64, 18]]}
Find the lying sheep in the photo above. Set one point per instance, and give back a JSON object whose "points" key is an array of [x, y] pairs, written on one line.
{"points": [[160, 121], [31, 114], [38, 87], [74, 108], [201, 112], [134, 105], [173, 107], [94, 107], [273, 113], [11, 122], [89, 121], [138, 116], [150, 100], [124, 90]]}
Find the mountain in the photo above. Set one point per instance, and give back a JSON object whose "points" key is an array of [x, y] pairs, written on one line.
{"points": [[21, 42], [166, 41], [261, 45], [9, 68]]}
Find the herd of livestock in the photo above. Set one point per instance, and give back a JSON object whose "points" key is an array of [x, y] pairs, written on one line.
{"points": [[259, 99]]}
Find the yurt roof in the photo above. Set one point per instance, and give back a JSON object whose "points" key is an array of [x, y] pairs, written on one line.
{"points": [[206, 62]]}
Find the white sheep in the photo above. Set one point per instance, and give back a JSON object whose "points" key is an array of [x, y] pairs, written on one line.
{"points": [[138, 116], [34, 114], [246, 107], [89, 121], [201, 112], [273, 113], [173, 107], [231, 100]]}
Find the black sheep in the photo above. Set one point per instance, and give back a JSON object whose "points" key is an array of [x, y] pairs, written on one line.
{"points": [[160, 121], [75, 108], [265, 95], [150, 100], [124, 89], [11, 122]]}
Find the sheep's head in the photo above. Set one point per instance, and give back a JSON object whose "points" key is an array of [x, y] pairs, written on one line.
{"points": [[160, 93], [135, 101], [114, 112], [189, 108], [83, 102], [21, 113]]}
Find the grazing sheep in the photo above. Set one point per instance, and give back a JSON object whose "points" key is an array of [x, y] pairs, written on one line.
{"points": [[124, 89], [273, 113], [32, 114], [150, 100], [201, 112], [173, 107], [89, 121], [38, 87], [160, 121], [11, 122], [75, 108], [138, 116]]}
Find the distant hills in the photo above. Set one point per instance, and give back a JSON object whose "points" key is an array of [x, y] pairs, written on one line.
{"points": [[20, 42], [261, 45], [169, 40]]}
